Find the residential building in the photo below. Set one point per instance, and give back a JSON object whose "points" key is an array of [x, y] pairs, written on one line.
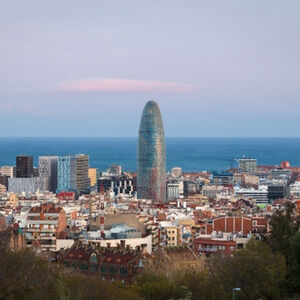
{"points": [[121, 263], [45, 224], [9, 171], [222, 243], [247, 165], [173, 235], [92, 173]]}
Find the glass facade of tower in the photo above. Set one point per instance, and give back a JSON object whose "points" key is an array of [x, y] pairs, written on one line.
{"points": [[151, 170], [66, 174]]}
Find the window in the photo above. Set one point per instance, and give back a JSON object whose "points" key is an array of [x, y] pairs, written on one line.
{"points": [[94, 268], [123, 271], [113, 270], [103, 269], [84, 267], [94, 259], [232, 248], [254, 223], [74, 265]]}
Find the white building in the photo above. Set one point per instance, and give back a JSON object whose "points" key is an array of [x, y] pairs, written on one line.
{"points": [[24, 185], [8, 171], [175, 189], [260, 194]]}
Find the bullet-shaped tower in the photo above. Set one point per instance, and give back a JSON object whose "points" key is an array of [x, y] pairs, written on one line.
{"points": [[151, 160]]}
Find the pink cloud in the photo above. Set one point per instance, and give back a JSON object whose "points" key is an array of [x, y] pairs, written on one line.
{"points": [[5, 106], [124, 85]]}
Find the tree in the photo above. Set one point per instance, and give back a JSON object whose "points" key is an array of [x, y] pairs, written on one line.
{"points": [[256, 270], [284, 225]]}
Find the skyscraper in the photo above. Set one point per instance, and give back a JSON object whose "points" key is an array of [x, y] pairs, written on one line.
{"points": [[83, 181], [151, 170], [48, 172], [66, 174], [24, 166]]}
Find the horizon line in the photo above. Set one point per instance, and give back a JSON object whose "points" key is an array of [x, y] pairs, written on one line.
{"points": [[181, 137]]}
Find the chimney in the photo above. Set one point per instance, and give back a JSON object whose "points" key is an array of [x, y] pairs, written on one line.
{"points": [[123, 244]]}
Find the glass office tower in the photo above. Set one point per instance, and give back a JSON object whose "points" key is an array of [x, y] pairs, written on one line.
{"points": [[151, 170]]}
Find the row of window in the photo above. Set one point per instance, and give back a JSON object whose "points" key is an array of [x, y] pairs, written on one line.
{"points": [[42, 226], [95, 268], [54, 218], [214, 247]]}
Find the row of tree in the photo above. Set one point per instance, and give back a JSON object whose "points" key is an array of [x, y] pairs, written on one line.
{"points": [[267, 269]]}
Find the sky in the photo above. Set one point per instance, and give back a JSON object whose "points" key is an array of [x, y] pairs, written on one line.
{"points": [[87, 68]]}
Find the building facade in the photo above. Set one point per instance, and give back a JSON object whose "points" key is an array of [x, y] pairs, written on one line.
{"points": [[247, 165], [24, 166], [9, 171], [120, 263], [48, 171], [83, 180], [118, 185], [92, 172], [66, 174], [151, 160], [45, 224], [25, 185]]}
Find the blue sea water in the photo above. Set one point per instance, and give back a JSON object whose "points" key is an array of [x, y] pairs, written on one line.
{"points": [[192, 154]]}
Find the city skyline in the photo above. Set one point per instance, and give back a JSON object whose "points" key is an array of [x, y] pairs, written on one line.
{"points": [[228, 70]]}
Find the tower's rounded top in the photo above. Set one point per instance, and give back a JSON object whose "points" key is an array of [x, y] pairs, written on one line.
{"points": [[151, 107]]}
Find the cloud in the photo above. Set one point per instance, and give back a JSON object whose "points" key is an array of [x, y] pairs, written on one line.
{"points": [[124, 85], [5, 106]]}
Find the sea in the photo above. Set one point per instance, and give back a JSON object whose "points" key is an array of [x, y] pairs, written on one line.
{"points": [[192, 154]]}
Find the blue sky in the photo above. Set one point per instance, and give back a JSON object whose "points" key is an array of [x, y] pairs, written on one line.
{"points": [[87, 68]]}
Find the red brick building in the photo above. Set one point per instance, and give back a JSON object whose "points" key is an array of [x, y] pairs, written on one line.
{"points": [[243, 225], [120, 263]]}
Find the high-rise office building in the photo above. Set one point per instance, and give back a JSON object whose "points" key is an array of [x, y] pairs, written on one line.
{"points": [[83, 180], [247, 165], [66, 174], [151, 161], [24, 166], [48, 172]]}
